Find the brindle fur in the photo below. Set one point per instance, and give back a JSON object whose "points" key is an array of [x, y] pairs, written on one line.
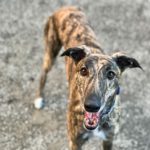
{"points": [[69, 28]]}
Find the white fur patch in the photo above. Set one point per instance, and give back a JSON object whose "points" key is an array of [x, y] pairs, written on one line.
{"points": [[85, 136], [100, 134], [39, 103]]}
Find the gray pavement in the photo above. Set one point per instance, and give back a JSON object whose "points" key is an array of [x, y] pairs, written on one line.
{"points": [[119, 24]]}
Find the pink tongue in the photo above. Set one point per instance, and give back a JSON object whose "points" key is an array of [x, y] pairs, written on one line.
{"points": [[91, 119]]}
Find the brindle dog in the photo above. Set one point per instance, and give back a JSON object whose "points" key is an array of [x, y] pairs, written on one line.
{"points": [[92, 75]]}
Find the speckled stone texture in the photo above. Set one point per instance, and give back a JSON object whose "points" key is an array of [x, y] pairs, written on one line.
{"points": [[119, 24]]}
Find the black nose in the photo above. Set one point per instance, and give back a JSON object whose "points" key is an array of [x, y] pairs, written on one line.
{"points": [[92, 103]]}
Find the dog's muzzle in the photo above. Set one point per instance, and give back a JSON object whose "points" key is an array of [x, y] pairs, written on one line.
{"points": [[93, 119], [92, 115]]}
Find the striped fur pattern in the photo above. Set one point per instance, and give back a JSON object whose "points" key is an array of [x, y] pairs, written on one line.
{"points": [[91, 74]]}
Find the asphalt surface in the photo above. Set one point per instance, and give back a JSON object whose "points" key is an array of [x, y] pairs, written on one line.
{"points": [[119, 25]]}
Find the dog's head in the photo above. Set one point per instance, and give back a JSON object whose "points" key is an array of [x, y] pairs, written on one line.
{"points": [[97, 79]]}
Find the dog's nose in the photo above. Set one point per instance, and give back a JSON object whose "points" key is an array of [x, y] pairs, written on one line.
{"points": [[92, 103]]}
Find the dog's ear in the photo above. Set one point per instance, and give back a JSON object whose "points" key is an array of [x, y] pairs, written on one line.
{"points": [[124, 61], [75, 53]]}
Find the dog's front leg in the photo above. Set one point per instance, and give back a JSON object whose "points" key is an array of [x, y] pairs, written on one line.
{"points": [[75, 143], [107, 145], [76, 133], [74, 146]]}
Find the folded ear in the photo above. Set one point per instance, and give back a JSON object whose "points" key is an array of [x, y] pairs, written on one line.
{"points": [[75, 53], [124, 61]]}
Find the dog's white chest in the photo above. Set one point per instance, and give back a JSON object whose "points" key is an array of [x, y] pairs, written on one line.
{"points": [[99, 133]]}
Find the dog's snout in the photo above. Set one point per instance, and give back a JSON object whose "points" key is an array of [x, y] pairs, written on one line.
{"points": [[92, 103]]}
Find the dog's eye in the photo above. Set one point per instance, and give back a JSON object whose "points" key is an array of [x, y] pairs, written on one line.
{"points": [[84, 71], [111, 75]]}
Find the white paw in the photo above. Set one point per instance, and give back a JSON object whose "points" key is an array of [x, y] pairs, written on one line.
{"points": [[39, 103]]}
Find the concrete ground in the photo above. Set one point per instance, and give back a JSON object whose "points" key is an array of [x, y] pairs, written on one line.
{"points": [[119, 24]]}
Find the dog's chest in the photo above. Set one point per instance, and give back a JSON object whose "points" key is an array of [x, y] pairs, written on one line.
{"points": [[96, 133], [99, 133]]}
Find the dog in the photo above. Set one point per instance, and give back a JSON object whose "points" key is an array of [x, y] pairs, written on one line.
{"points": [[93, 77]]}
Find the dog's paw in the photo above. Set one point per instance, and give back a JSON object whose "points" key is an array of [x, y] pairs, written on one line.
{"points": [[39, 103]]}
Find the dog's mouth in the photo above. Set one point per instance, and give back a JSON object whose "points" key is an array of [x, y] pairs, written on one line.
{"points": [[91, 120]]}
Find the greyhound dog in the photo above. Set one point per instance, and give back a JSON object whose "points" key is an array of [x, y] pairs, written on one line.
{"points": [[93, 77]]}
